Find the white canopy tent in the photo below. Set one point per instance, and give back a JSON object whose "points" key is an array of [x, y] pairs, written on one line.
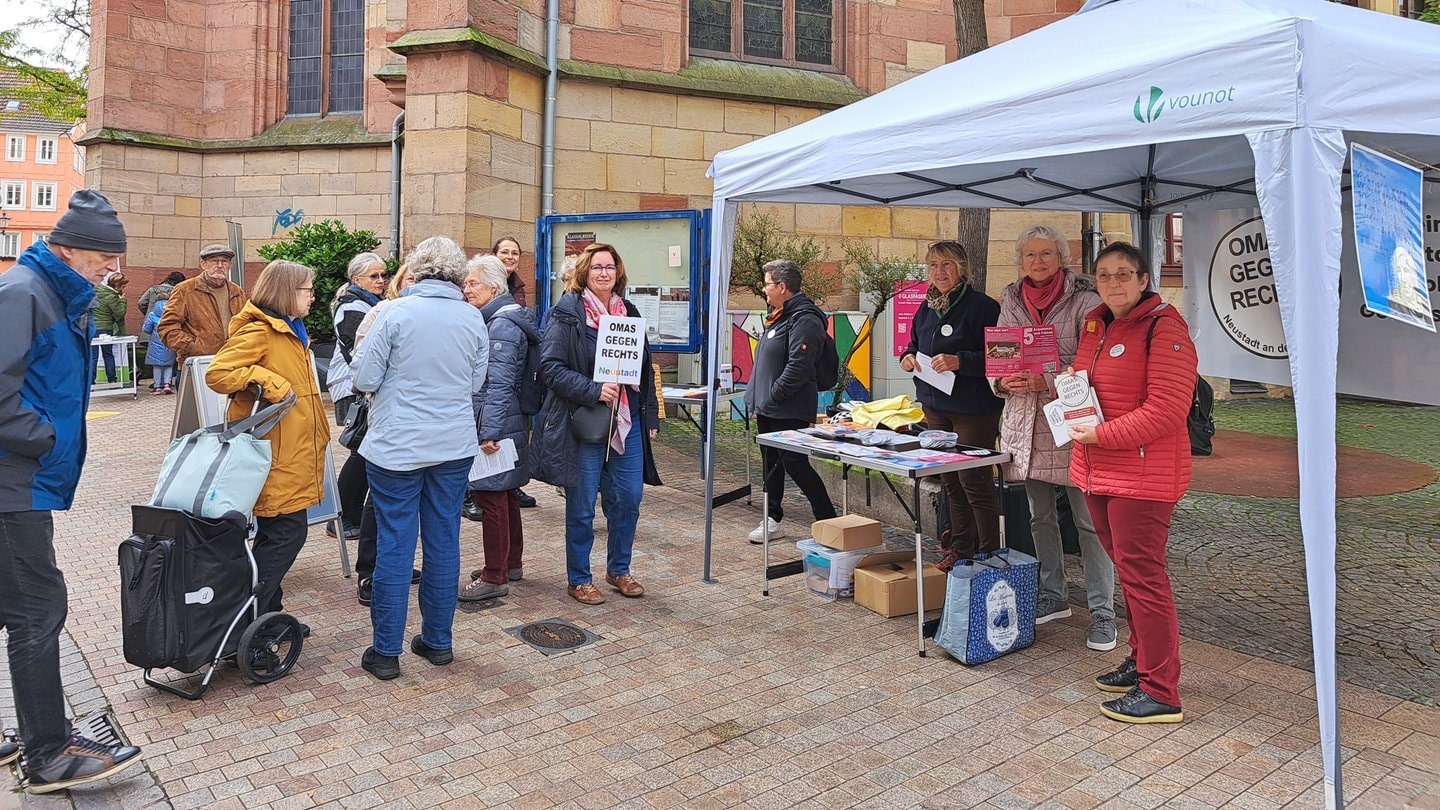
{"points": [[1145, 107]]}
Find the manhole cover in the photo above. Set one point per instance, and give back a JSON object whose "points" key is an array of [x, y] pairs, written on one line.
{"points": [[483, 604], [552, 636]]}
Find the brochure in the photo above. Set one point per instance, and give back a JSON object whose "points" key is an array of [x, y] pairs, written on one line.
{"points": [[488, 464], [1074, 404], [1012, 349], [942, 380]]}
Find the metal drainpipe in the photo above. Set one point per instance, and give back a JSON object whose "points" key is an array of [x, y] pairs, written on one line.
{"points": [[397, 140], [547, 147]]}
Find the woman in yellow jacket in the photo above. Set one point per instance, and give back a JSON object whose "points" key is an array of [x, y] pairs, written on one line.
{"points": [[268, 347]]}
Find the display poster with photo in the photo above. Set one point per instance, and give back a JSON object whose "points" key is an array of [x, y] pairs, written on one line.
{"points": [[1388, 241], [909, 297], [1233, 309]]}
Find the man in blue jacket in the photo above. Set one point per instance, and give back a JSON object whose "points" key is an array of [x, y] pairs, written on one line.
{"points": [[46, 303]]}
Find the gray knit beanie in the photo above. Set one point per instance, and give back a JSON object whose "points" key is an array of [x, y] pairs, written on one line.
{"points": [[90, 224]]}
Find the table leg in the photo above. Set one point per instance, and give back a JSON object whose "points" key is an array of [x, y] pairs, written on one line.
{"points": [[919, 574]]}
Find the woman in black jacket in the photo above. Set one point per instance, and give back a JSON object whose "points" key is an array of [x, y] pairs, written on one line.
{"points": [[783, 393], [950, 331], [617, 468]]}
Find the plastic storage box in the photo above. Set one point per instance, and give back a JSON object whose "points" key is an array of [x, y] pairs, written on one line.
{"points": [[830, 574]]}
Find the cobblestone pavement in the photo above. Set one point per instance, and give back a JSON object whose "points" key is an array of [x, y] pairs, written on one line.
{"points": [[695, 696], [1238, 564]]}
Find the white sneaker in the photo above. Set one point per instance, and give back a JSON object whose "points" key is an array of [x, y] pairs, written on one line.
{"points": [[776, 530]]}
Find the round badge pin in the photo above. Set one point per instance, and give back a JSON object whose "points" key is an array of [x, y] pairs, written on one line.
{"points": [[770, 334], [1117, 350], [947, 330]]}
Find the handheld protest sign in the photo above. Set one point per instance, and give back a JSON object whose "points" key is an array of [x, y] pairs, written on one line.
{"points": [[619, 350]]}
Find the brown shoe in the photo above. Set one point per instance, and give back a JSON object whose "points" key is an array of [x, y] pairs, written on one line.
{"points": [[626, 585], [586, 594]]}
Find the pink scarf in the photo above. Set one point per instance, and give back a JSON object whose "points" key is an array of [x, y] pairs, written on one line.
{"points": [[593, 310], [1040, 298]]}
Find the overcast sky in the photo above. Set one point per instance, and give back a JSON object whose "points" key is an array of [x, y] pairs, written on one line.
{"points": [[48, 38]]}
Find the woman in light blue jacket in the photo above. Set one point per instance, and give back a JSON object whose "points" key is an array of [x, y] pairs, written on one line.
{"points": [[422, 361]]}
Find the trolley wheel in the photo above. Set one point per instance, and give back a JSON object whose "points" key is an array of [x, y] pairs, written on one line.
{"points": [[269, 647]]}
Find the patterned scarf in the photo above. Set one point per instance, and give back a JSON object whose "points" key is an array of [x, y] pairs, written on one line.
{"points": [[593, 310], [942, 302]]}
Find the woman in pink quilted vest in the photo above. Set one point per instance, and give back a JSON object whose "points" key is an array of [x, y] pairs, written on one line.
{"points": [[1134, 467], [1049, 293]]}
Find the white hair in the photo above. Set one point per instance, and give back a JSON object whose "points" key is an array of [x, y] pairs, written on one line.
{"points": [[437, 257], [491, 272], [1050, 234]]}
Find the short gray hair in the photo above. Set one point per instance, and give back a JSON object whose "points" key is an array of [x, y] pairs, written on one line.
{"points": [[439, 258], [784, 271], [1050, 234], [361, 263], [491, 271]]}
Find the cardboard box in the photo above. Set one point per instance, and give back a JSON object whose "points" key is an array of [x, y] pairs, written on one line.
{"points": [[847, 533], [888, 588]]}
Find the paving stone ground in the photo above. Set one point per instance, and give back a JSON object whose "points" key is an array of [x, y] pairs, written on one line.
{"points": [[696, 695]]}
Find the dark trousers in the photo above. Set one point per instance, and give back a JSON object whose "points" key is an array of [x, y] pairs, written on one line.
{"points": [[501, 532], [777, 463], [352, 485], [1134, 534], [32, 610], [365, 548], [974, 509], [278, 541]]}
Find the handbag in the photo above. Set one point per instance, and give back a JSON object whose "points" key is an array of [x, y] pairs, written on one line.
{"points": [[357, 423], [591, 423], [989, 606], [219, 469]]}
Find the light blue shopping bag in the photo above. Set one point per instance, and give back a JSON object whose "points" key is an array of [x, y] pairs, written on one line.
{"points": [[989, 606]]}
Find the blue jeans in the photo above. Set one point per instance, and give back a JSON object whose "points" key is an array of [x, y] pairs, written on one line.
{"points": [[32, 612], [423, 502], [620, 482], [109, 357]]}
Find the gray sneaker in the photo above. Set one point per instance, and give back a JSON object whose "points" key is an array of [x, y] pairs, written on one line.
{"points": [[1048, 609], [479, 590], [1102, 633], [82, 760]]}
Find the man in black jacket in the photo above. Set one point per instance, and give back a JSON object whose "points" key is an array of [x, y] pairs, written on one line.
{"points": [[783, 393]]}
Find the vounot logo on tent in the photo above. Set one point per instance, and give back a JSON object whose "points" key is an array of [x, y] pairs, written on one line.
{"points": [[1149, 105]]}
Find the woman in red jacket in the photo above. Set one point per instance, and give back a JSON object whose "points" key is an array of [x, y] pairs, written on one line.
{"points": [[1134, 467]]}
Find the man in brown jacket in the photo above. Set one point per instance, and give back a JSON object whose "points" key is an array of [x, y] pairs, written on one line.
{"points": [[197, 316]]}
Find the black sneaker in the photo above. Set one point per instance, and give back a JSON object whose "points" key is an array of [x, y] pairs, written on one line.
{"points": [[364, 590], [437, 657], [526, 501], [9, 752], [1139, 707], [81, 761], [384, 667], [1123, 679]]}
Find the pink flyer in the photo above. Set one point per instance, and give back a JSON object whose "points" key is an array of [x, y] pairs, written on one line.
{"points": [[1012, 349]]}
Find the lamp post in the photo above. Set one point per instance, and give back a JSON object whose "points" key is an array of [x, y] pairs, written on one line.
{"points": [[4, 221]]}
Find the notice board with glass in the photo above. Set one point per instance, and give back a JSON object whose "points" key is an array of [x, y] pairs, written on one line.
{"points": [[664, 267]]}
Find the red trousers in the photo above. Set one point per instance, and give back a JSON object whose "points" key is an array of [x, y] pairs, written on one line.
{"points": [[501, 533], [1134, 534]]}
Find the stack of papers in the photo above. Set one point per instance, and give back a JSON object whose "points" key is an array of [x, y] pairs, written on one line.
{"points": [[488, 464]]}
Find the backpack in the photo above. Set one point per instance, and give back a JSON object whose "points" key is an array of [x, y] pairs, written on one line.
{"points": [[827, 369], [532, 389], [1201, 419]]}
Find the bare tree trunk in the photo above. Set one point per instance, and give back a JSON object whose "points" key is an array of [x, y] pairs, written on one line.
{"points": [[974, 229]]}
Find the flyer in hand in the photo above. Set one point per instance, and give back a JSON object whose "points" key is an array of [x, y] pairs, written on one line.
{"points": [[1012, 349], [1074, 404]]}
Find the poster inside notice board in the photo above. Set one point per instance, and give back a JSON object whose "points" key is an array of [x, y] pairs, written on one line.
{"points": [[661, 251]]}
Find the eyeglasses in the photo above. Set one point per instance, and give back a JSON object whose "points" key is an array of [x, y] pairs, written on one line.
{"points": [[603, 268], [1122, 276], [1044, 255], [310, 290], [374, 276]]}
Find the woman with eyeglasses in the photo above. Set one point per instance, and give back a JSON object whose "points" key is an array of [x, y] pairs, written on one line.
{"points": [[268, 346], [949, 331], [1134, 467], [1049, 293], [366, 273], [617, 468]]}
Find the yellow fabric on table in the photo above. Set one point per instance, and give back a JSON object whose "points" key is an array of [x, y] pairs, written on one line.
{"points": [[891, 412]]}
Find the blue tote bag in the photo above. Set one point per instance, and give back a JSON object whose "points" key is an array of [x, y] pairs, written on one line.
{"points": [[989, 606]]}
